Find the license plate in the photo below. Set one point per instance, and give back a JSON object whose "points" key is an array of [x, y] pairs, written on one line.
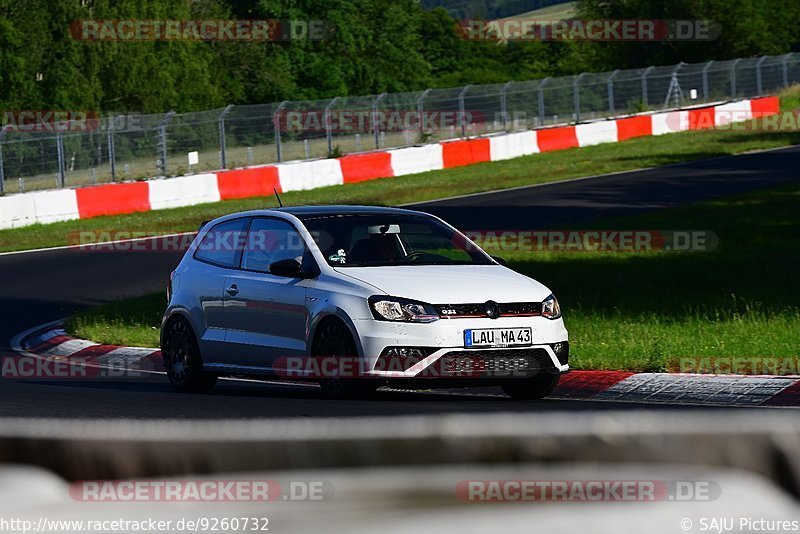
{"points": [[498, 337]]}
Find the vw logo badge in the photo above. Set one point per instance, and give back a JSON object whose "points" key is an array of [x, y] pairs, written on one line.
{"points": [[492, 309]]}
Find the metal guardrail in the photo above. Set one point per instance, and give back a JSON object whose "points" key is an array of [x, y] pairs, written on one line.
{"points": [[131, 147]]}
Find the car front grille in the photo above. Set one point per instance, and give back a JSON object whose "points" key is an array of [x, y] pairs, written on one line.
{"points": [[507, 309], [494, 363]]}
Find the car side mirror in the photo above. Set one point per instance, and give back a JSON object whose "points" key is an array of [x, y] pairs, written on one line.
{"points": [[289, 268], [501, 261]]}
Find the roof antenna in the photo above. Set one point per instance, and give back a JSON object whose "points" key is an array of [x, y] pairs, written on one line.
{"points": [[278, 196]]}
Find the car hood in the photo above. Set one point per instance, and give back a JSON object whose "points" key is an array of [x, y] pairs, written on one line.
{"points": [[451, 284]]}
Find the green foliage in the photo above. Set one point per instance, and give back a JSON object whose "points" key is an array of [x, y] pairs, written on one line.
{"points": [[374, 46], [746, 29], [336, 152]]}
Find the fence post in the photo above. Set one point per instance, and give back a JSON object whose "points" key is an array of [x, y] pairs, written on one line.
{"points": [[611, 105], [112, 156], [462, 111], [223, 145], [276, 123], [576, 94], [786, 69], [162, 140], [421, 113], [647, 71], [504, 105], [62, 172], [705, 79], [328, 130], [2, 171], [674, 87], [733, 77], [759, 85], [541, 99], [375, 125]]}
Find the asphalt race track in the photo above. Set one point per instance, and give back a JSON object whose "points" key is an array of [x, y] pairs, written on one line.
{"points": [[38, 287], [581, 201]]}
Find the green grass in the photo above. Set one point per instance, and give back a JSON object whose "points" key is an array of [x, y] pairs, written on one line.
{"points": [[645, 311], [538, 168], [640, 311], [133, 322]]}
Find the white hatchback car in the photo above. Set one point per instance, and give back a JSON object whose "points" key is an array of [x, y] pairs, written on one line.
{"points": [[355, 298]]}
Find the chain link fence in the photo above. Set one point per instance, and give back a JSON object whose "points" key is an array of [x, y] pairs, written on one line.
{"points": [[137, 147]]}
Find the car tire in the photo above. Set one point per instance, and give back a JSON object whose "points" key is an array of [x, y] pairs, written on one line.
{"points": [[182, 359], [334, 340], [537, 387]]}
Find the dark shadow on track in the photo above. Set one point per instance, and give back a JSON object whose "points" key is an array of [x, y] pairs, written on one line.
{"points": [[566, 204], [153, 397]]}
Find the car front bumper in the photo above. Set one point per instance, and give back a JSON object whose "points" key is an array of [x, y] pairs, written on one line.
{"points": [[447, 357]]}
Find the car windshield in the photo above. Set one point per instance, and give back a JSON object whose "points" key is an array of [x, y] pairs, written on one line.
{"points": [[367, 240]]}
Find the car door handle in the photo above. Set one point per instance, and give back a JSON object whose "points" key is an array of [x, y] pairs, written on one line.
{"points": [[233, 290]]}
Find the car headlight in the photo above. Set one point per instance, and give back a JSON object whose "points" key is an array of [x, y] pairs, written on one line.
{"points": [[401, 310], [550, 308]]}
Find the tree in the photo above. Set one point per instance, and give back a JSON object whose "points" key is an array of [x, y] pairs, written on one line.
{"points": [[746, 28]]}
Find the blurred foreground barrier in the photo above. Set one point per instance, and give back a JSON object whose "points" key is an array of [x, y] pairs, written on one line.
{"points": [[761, 442], [457, 499]]}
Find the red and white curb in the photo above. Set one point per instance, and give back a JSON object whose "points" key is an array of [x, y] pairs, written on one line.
{"points": [[668, 388], [121, 198], [51, 342]]}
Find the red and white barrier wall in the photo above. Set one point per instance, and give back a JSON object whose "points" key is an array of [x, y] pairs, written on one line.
{"points": [[114, 199]]}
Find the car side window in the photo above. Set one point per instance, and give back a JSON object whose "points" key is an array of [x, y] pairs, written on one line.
{"points": [[271, 240], [223, 244]]}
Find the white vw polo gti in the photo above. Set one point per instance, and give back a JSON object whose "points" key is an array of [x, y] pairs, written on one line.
{"points": [[356, 298]]}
